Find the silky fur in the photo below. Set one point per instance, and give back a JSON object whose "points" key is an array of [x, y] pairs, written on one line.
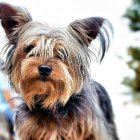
{"points": [[65, 105], [81, 118]]}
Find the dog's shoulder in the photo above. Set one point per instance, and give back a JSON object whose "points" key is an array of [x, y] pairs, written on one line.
{"points": [[104, 101]]}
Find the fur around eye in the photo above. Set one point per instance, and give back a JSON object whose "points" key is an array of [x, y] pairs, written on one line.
{"points": [[28, 48], [63, 54]]}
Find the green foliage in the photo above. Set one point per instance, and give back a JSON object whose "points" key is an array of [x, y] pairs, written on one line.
{"points": [[134, 64], [134, 52], [133, 14]]}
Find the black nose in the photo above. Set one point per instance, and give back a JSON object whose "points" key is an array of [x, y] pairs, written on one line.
{"points": [[44, 70]]}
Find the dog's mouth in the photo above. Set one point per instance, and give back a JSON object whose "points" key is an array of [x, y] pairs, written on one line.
{"points": [[43, 78]]}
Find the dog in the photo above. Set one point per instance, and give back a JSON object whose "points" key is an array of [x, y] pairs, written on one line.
{"points": [[50, 70]]}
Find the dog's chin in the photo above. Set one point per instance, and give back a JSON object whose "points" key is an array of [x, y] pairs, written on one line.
{"points": [[43, 78], [37, 104], [44, 93]]}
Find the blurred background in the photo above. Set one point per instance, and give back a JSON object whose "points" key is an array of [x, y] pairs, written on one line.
{"points": [[120, 70]]}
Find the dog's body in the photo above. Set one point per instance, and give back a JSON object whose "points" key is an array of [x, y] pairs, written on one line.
{"points": [[49, 67], [75, 121]]}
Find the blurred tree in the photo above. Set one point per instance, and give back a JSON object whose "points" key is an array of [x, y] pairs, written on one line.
{"points": [[133, 14]]}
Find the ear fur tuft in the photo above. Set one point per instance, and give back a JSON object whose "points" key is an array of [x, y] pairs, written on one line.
{"points": [[12, 18], [86, 30]]}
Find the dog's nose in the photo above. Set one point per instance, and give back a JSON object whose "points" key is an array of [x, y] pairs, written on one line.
{"points": [[44, 70]]}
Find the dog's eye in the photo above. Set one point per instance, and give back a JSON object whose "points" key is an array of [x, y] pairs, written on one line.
{"points": [[63, 54], [28, 48]]}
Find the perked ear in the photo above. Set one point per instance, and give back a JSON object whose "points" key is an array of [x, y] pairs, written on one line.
{"points": [[12, 18], [86, 30]]}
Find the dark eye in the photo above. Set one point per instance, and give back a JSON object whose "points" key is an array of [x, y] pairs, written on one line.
{"points": [[63, 54], [28, 48]]}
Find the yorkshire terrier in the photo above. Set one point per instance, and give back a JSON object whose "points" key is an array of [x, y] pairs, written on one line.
{"points": [[50, 69]]}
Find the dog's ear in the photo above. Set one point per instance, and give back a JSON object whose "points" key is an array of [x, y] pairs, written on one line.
{"points": [[12, 18], [86, 30]]}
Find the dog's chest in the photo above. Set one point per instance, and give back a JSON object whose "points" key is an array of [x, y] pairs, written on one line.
{"points": [[72, 122]]}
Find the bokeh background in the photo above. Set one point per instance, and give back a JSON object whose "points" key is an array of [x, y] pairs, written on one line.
{"points": [[119, 66]]}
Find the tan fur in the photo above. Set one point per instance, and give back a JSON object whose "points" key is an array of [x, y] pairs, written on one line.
{"points": [[53, 130]]}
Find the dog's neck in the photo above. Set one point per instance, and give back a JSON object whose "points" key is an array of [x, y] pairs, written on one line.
{"points": [[58, 107]]}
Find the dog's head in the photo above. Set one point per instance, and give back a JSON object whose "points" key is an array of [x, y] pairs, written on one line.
{"points": [[47, 65]]}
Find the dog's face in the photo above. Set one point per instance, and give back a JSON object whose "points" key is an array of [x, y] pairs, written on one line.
{"points": [[47, 65]]}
